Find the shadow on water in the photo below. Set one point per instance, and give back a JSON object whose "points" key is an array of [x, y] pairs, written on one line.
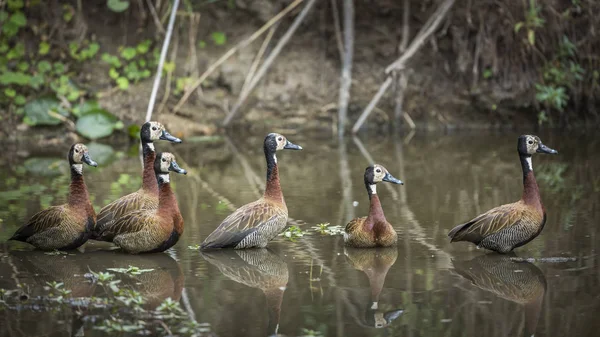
{"points": [[329, 290]]}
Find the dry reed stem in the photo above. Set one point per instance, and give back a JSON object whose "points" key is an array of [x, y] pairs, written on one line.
{"points": [[346, 75]]}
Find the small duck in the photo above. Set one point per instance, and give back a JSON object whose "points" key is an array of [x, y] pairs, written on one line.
{"points": [[373, 230], [509, 226], [147, 196], [151, 230], [257, 223], [66, 226]]}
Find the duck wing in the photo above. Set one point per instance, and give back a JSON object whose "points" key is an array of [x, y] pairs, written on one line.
{"points": [[131, 222], [50, 217], [244, 221], [488, 223], [112, 212], [355, 224]]}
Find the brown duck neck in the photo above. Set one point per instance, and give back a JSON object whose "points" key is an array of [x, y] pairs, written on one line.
{"points": [[531, 191], [149, 183], [78, 193], [274, 297], [376, 215], [167, 202], [273, 188]]}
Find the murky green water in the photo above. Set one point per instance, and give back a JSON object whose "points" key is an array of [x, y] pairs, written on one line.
{"points": [[424, 287]]}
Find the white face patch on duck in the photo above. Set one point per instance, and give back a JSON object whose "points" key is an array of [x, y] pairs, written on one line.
{"points": [[150, 146], [164, 178], [529, 163]]}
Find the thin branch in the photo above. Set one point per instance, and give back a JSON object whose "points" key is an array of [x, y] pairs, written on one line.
{"points": [[157, 22], [269, 60], [384, 87], [336, 24], [161, 62], [257, 59], [230, 52], [405, 26], [346, 76]]}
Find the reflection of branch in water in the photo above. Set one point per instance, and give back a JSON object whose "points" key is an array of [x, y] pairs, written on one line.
{"points": [[250, 175], [346, 181]]}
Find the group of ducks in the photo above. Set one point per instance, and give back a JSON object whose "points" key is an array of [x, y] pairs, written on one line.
{"points": [[149, 219]]}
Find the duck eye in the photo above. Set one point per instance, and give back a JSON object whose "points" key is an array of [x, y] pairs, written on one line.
{"points": [[280, 139], [164, 160], [154, 128], [378, 171], [530, 142]]}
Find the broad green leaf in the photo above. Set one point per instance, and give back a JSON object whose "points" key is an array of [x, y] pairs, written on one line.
{"points": [[9, 77], [117, 5], [36, 111], [59, 67], [143, 46], [169, 67], [15, 4], [96, 124], [20, 100], [19, 19], [85, 107], [10, 92], [44, 66], [113, 73], [123, 83], [128, 53]]}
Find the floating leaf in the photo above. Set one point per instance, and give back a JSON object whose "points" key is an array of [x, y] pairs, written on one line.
{"points": [[36, 111], [96, 124], [117, 5]]}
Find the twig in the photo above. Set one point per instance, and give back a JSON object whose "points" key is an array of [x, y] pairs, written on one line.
{"points": [[257, 59], [230, 52], [165, 98], [372, 104], [405, 26], [336, 23], [161, 62], [157, 22], [269, 60], [401, 84], [346, 76]]}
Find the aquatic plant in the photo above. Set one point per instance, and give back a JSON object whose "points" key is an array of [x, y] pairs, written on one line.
{"points": [[292, 233], [327, 229]]}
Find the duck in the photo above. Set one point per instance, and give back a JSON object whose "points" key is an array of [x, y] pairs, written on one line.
{"points": [[375, 263], [67, 226], [509, 226], [373, 230], [151, 230], [497, 274], [147, 196], [257, 223]]}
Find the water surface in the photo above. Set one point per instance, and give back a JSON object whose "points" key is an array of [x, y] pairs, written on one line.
{"points": [[314, 286]]}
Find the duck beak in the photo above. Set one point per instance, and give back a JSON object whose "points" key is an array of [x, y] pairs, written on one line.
{"points": [[392, 315], [291, 146], [544, 149], [175, 168], [390, 179], [167, 136], [88, 160]]}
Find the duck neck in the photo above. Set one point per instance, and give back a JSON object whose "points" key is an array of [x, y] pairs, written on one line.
{"points": [[149, 183], [167, 202], [78, 193], [531, 191], [273, 188], [375, 211]]}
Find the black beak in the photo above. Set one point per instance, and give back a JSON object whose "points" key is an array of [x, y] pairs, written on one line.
{"points": [[291, 146], [544, 149], [390, 179], [167, 136], [88, 160], [175, 168]]}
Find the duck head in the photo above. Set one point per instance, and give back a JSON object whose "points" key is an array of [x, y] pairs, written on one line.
{"points": [[529, 144], [381, 319], [165, 163], [377, 173], [78, 154], [275, 142], [152, 131]]}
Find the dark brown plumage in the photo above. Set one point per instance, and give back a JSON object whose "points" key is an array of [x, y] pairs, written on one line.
{"points": [[373, 230], [144, 198], [66, 226], [498, 274], [151, 230], [509, 226], [256, 223]]}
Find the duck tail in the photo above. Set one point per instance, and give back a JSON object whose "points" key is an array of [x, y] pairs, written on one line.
{"points": [[454, 234]]}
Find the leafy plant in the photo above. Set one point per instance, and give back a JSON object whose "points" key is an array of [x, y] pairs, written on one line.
{"points": [[327, 229], [131, 65], [292, 233], [130, 270], [532, 21], [117, 5]]}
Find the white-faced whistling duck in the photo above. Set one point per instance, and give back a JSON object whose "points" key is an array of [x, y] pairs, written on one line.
{"points": [[66, 226], [144, 198], [256, 223], [152, 230], [373, 230], [509, 226]]}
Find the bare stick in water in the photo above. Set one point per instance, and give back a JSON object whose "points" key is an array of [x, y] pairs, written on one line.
{"points": [[346, 76]]}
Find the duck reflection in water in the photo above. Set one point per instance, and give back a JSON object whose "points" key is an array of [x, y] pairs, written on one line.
{"points": [[519, 282], [256, 268], [375, 263]]}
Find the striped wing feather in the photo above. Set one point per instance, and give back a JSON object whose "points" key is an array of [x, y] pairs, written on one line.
{"points": [[354, 224], [245, 220], [48, 218], [122, 206], [132, 222], [488, 223]]}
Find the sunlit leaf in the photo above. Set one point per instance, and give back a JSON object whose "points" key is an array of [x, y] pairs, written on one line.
{"points": [[96, 124], [117, 5]]}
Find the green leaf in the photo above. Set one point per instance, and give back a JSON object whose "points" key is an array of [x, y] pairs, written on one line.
{"points": [[134, 131], [19, 19], [85, 107], [123, 83], [10, 92], [117, 5], [36, 81], [18, 78], [219, 38], [36, 111], [111, 59], [518, 26], [20, 100], [143, 46], [23, 66], [15, 4], [44, 66], [101, 153], [96, 124], [44, 48], [10, 29], [531, 37], [169, 67], [128, 53], [113, 73], [59, 67]]}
